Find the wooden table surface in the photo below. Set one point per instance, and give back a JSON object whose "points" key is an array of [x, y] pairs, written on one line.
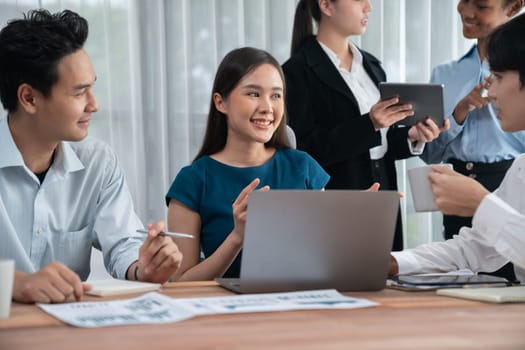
{"points": [[404, 320]]}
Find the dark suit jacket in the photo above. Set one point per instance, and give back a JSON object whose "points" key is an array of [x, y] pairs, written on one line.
{"points": [[325, 117], [327, 122]]}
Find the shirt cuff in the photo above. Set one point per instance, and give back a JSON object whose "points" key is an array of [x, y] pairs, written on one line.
{"points": [[454, 126], [123, 266], [416, 148], [406, 262]]}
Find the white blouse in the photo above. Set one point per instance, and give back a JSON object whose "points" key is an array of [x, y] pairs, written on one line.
{"points": [[363, 88]]}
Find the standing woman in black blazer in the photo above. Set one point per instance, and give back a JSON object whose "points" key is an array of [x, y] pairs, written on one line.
{"points": [[333, 101]]}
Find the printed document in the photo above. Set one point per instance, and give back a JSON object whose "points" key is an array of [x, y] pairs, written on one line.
{"points": [[148, 308], [154, 307]]}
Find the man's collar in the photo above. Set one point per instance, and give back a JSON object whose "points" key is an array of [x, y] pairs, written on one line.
{"points": [[65, 160], [10, 155]]}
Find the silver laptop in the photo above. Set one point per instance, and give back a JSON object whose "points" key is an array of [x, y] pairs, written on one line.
{"points": [[299, 240]]}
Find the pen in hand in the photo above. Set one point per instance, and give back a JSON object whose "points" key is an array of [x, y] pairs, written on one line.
{"points": [[167, 233]]}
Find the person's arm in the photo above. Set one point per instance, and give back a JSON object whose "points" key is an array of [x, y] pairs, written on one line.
{"points": [[474, 100], [467, 250], [115, 224], [54, 283], [159, 257], [183, 219], [394, 267], [455, 193], [502, 226], [424, 132], [434, 151]]}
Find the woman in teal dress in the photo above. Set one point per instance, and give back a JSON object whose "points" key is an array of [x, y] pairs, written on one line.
{"points": [[245, 148]]}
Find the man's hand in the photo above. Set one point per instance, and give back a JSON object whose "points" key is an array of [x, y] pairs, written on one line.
{"points": [[455, 194], [55, 283], [394, 267], [159, 257]]}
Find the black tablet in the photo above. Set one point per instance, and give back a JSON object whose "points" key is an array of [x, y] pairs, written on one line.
{"points": [[451, 280], [426, 100]]}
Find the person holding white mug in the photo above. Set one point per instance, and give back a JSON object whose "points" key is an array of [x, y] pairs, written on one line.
{"points": [[475, 143], [497, 236]]}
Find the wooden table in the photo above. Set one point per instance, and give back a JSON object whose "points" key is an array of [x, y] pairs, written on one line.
{"points": [[404, 320]]}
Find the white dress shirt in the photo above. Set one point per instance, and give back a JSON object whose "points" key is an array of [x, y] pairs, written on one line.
{"points": [[83, 202], [497, 235], [366, 93]]}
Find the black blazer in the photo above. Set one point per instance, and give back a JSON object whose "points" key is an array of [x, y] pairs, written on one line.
{"points": [[327, 122]]}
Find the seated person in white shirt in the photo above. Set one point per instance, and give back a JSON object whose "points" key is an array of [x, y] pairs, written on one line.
{"points": [[498, 232], [60, 193]]}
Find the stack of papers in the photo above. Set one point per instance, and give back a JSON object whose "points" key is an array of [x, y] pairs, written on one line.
{"points": [[491, 295]]}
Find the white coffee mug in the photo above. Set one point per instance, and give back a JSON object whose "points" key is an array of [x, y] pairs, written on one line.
{"points": [[422, 195], [7, 275]]}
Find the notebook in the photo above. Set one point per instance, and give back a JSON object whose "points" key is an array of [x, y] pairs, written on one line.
{"points": [[300, 240], [492, 295], [109, 287]]}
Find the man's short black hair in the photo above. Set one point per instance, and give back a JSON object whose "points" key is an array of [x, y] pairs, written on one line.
{"points": [[31, 48], [506, 47]]}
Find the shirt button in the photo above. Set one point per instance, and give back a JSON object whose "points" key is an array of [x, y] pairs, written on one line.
{"points": [[472, 176], [469, 166]]}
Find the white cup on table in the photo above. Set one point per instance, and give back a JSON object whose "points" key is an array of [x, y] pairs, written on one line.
{"points": [[7, 275]]}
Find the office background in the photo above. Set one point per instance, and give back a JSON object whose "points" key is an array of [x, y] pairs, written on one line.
{"points": [[155, 61]]}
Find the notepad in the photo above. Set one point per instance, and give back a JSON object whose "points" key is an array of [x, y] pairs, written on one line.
{"points": [[110, 287], [491, 295]]}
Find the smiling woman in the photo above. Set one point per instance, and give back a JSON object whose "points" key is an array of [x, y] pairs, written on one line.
{"points": [[254, 110], [245, 146]]}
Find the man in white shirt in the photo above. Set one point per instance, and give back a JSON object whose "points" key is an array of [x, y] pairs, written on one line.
{"points": [[498, 232], [60, 193]]}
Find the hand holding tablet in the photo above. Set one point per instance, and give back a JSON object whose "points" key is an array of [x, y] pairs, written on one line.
{"points": [[426, 101]]}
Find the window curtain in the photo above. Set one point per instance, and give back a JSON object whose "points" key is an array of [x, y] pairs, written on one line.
{"points": [[155, 61]]}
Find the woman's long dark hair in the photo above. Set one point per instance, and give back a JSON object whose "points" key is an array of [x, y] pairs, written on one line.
{"points": [[235, 66], [306, 12]]}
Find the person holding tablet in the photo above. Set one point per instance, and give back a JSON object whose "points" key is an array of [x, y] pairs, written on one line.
{"points": [[333, 101], [475, 144], [497, 235], [245, 147]]}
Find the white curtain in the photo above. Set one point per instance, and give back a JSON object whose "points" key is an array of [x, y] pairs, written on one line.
{"points": [[156, 59]]}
